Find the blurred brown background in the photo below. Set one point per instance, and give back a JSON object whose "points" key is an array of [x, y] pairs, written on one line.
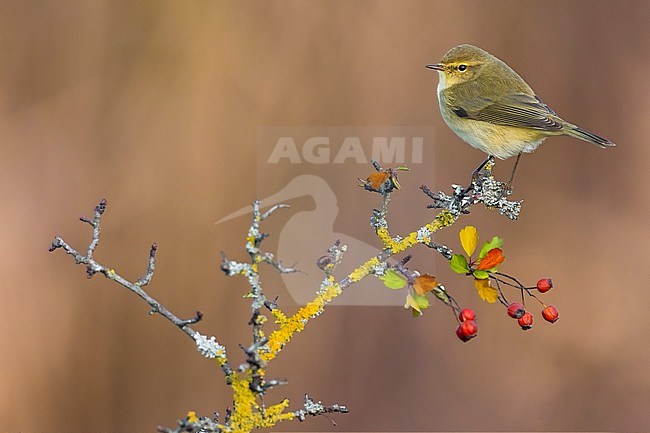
{"points": [[155, 106]]}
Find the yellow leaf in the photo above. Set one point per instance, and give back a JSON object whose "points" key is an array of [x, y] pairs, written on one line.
{"points": [[469, 239], [412, 303], [485, 291], [191, 416]]}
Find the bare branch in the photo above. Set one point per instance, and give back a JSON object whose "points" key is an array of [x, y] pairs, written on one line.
{"points": [[269, 258], [150, 268], [444, 250], [268, 213], [93, 267]]}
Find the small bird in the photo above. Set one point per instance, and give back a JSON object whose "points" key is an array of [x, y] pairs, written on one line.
{"points": [[491, 107]]}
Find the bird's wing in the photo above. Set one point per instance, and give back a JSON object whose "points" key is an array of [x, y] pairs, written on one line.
{"points": [[519, 110]]}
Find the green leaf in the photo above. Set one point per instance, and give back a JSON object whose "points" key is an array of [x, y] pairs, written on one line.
{"points": [[458, 264], [481, 275], [393, 280], [422, 300], [496, 242]]}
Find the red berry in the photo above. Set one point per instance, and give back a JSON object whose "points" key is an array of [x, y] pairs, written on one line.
{"points": [[544, 285], [550, 314], [470, 328], [516, 310], [526, 321], [467, 330], [467, 314]]}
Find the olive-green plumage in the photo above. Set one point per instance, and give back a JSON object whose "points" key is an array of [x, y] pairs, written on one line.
{"points": [[491, 107]]}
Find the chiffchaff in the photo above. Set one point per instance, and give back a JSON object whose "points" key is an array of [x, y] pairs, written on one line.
{"points": [[491, 107]]}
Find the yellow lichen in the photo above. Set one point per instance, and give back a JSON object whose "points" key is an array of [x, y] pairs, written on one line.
{"points": [[274, 414], [280, 317], [363, 270], [385, 238], [443, 219], [405, 243], [247, 413], [221, 357], [242, 418], [296, 323]]}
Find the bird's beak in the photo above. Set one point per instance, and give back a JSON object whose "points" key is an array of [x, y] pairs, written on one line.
{"points": [[437, 67]]}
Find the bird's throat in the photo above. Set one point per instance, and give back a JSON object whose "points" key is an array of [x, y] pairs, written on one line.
{"points": [[442, 82]]}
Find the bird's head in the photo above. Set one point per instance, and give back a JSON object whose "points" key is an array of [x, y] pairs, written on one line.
{"points": [[462, 64]]}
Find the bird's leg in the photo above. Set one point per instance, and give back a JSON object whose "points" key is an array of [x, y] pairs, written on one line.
{"points": [[508, 189], [477, 170], [476, 174]]}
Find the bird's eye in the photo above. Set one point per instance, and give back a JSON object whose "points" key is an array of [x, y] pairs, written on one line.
{"points": [[462, 68]]}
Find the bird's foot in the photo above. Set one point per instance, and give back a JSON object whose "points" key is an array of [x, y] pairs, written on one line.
{"points": [[508, 188]]}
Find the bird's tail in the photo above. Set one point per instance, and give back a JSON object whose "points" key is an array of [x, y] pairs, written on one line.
{"points": [[577, 132]]}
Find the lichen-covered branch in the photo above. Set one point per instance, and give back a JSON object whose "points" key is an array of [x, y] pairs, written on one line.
{"points": [[315, 408], [248, 381], [483, 189], [191, 423]]}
